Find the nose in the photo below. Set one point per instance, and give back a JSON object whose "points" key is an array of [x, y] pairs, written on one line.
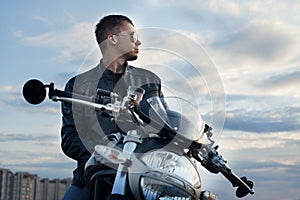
{"points": [[138, 42]]}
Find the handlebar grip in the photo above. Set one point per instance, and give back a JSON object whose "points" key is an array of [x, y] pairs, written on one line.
{"points": [[55, 92], [244, 185], [102, 92]]}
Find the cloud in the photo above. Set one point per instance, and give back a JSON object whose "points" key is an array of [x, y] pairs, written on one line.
{"points": [[262, 124], [6, 88], [25, 137], [72, 43], [259, 43], [279, 9], [251, 45], [154, 3], [223, 7], [262, 114], [43, 20], [283, 83], [36, 153], [40, 162], [20, 104], [246, 40], [218, 7], [12, 97], [256, 142]]}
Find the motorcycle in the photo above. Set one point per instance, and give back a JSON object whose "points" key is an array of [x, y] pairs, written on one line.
{"points": [[156, 154]]}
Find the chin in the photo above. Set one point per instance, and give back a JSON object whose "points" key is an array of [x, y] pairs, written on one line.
{"points": [[132, 57]]}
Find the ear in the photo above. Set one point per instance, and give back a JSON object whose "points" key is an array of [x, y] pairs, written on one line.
{"points": [[113, 38]]}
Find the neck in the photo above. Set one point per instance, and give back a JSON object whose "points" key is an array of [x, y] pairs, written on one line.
{"points": [[116, 66]]}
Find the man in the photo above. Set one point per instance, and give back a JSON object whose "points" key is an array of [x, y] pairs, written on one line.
{"points": [[83, 127]]}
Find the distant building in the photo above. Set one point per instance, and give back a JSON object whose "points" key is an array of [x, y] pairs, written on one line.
{"points": [[6, 184], [54, 189], [26, 186]]}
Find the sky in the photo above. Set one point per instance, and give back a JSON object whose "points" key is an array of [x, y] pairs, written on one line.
{"points": [[254, 46]]}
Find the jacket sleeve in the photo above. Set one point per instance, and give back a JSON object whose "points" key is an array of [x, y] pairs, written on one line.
{"points": [[71, 144]]}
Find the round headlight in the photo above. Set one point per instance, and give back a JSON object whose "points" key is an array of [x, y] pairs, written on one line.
{"points": [[168, 176], [153, 189], [171, 164]]}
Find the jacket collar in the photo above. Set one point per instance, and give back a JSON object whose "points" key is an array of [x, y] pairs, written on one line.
{"points": [[106, 71]]}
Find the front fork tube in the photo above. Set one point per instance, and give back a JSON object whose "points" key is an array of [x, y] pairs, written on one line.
{"points": [[120, 184]]}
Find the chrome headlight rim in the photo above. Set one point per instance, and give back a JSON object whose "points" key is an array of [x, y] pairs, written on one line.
{"points": [[135, 175]]}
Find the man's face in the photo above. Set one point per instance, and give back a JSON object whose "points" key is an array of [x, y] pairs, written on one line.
{"points": [[127, 42]]}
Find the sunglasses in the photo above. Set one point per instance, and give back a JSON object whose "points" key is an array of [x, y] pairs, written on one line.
{"points": [[133, 36]]}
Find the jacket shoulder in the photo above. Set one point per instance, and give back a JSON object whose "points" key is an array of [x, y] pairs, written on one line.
{"points": [[142, 72], [86, 78]]}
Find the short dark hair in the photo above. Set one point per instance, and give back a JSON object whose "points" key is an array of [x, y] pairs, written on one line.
{"points": [[109, 24]]}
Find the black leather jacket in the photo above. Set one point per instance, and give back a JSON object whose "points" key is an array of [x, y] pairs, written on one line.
{"points": [[83, 122]]}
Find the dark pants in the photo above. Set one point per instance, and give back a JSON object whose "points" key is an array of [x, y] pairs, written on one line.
{"points": [[76, 193]]}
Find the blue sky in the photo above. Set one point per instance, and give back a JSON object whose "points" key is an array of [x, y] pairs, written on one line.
{"points": [[255, 48]]}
